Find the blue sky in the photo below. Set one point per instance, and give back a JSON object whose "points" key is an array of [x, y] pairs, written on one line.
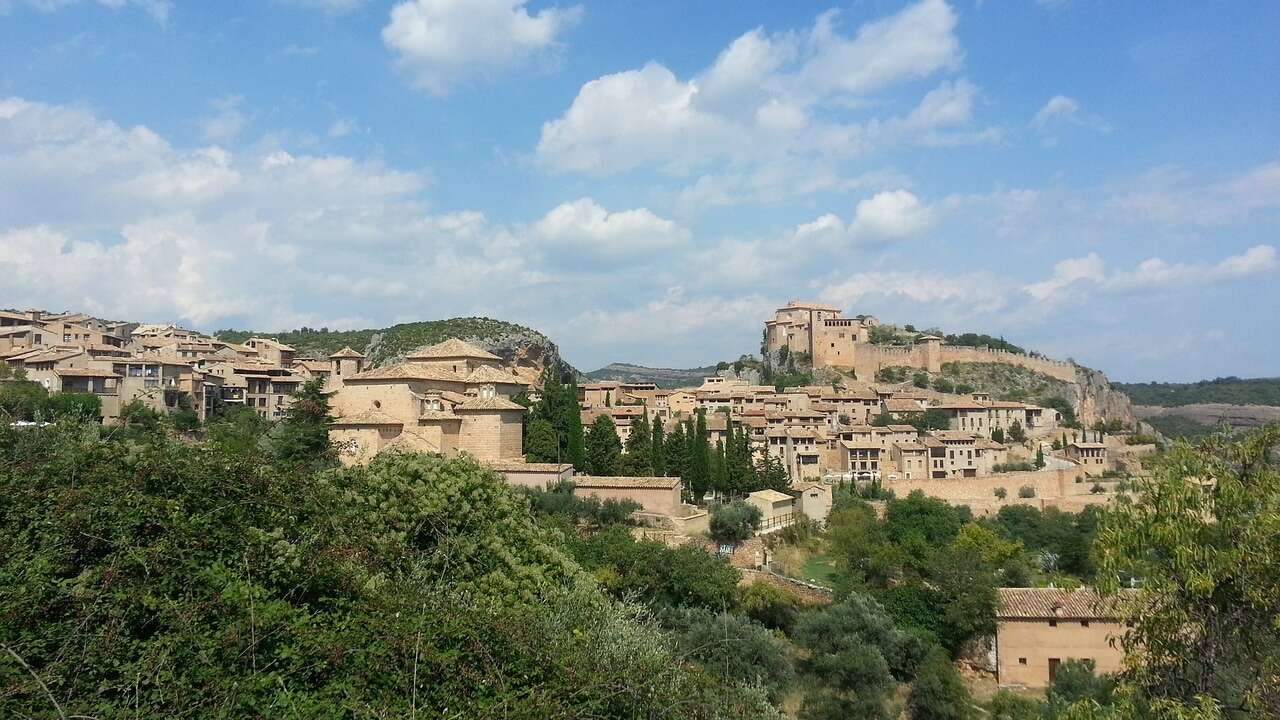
{"points": [[645, 182]]}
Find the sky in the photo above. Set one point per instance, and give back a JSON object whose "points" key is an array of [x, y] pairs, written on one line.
{"points": [[647, 181]]}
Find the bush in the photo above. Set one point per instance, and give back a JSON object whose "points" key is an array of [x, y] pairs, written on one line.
{"points": [[1001, 493], [1026, 491], [943, 385], [734, 648], [938, 693], [920, 380], [769, 605], [1097, 489], [734, 522], [1020, 466]]}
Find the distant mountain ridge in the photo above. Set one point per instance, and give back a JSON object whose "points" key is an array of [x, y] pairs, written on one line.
{"points": [[1224, 390], [514, 343], [662, 377]]}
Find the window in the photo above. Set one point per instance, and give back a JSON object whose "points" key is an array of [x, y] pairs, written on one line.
{"points": [[1022, 661], [1084, 623], [1053, 623]]}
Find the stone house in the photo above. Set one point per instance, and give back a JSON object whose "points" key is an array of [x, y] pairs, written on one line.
{"points": [[1038, 629]]}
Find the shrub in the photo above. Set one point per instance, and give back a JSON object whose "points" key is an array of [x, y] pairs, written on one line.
{"points": [[1021, 466], [921, 380], [943, 385], [1097, 489], [769, 605], [734, 522], [1000, 493], [1026, 491]]}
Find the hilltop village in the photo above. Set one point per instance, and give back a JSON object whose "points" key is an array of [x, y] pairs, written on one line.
{"points": [[868, 426]]}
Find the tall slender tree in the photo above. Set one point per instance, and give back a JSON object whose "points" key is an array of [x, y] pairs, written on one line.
{"points": [[604, 449], [719, 471], [677, 452], [639, 461], [699, 472], [656, 450]]}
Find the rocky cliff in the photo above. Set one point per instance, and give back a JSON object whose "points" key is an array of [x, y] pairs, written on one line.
{"points": [[1094, 399]]}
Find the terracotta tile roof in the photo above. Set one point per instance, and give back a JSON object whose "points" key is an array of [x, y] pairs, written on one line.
{"points": [[493, 403], [962, 405], [1087, 445], [487, 374], [438, 416], [594, 481], [988, 444], [84, 372], [346, 352], [954, 435], [408, 371], [368, 417], [522, 466], [901, 428], [902, 405], [1049, 603], [770, 496], [910, 446], [452, 348]]}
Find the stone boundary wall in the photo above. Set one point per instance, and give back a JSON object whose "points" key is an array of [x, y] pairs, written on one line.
{"points": [[808, 592], [1064, 489], [1060, 369], [868, 358]]}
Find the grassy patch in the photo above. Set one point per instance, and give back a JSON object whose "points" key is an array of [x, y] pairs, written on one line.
{"points": [[819, 570]]}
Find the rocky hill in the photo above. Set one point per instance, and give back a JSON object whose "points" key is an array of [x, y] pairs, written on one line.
{"points": [[662, 377], [519, 345]]}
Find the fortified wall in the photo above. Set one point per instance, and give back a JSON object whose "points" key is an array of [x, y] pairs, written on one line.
{"points": [[831, 340]]}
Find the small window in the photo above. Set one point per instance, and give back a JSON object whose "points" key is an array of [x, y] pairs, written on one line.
{"points": [[1084, 623], [1053, 623], [1022, 661]]}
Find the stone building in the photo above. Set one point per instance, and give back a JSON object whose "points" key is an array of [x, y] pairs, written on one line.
{"points": [[447, 398], [1038, 629]]}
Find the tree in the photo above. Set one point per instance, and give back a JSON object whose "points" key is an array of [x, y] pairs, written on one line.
{"points": [[139, 421], [655, 574], [302, 435], [997, 435], [638, 462], [1017, 433], [676, 447], [21, 399], [921, 380], [1076, 681], [1209, 593], [769, 605], [856, 653], [734, 522], [771, 473], [604, 449], [415, 585], [540, 443], [733, 647], [1001, 493], [699, 463], [931, 419], [657, 448], [938, 693], [1039, 457], [943, 385], [74, 405]]}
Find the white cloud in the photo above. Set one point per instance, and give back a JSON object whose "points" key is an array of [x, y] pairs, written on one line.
{"points": [[158, 9], [892, 214], [1171, 195], [1061, 111], [1153, 273], [963, 294], [227, 122], [768, 99], [912, 44], [587, 228], [440, 43]]}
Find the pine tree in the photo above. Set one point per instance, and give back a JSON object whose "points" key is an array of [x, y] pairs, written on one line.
{"points": [[772, 473], [656, 450], [603, 447]]}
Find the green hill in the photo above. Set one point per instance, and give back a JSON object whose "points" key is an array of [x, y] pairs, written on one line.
{"points": [[1229, 390], [512, 342]]}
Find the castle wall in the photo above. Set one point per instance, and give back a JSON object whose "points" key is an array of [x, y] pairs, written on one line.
{"points": [[1059, 369]]}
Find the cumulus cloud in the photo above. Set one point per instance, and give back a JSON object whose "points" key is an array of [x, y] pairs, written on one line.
{"points": [[228, 120], [884, 217], [589, 229], [440, 43], [1153, 273], [966, 294], [767, 98]]}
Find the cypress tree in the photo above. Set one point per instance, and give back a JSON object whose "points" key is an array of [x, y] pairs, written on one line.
{"points": [[699, 467], [603, 447], [571, 424], [677, 451], [639, 447], [656, 450], [719, 472]]}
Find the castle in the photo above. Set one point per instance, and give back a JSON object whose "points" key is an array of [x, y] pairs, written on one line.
{"points": [[822, 335]]}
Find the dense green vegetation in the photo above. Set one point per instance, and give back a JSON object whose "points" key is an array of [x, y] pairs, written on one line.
{"points": [[381, 344], [143, 576], [1230, 390], [1177, 426], [23, 400]]}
